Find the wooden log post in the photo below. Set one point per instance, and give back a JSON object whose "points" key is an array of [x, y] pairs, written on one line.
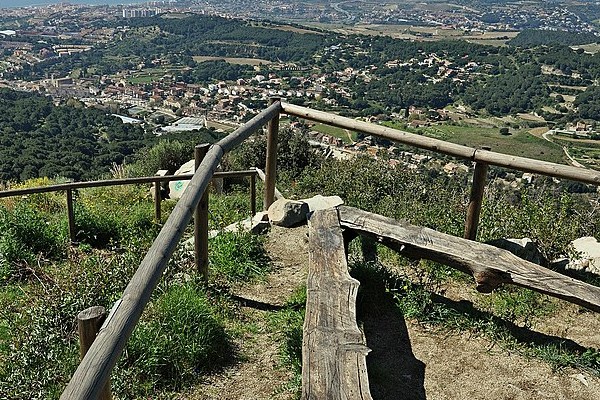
{"points": [[89, 322], [333, 347], [201, 220], [157, 201], [71, 216], [271, 163], [253, 195], [476, 199]]}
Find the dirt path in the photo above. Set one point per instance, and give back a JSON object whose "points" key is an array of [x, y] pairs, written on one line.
{"points": [[408, 361], [257, 375]]}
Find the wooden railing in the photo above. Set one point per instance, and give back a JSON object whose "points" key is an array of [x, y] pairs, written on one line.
{"points": [[69, 189], [481, 157], [91, 376], [94, 370]]}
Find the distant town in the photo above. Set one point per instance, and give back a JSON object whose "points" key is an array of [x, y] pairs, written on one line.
{"points": [[152, 89]]}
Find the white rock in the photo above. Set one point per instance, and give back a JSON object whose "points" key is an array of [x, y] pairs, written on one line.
{"points": [[319, 202], [588, 250]]}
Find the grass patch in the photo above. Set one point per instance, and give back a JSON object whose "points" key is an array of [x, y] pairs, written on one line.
{"points": [[179, 339], [236, 257], [336, 132], [287, 325]]}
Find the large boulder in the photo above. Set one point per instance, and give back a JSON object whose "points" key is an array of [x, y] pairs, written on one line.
{"points": [[523, 248], [588, 255], [287, 213]]}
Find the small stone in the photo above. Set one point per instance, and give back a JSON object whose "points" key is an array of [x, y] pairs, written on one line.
{"points": [[523, 248]]}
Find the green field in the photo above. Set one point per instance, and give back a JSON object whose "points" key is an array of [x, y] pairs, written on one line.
{"points": [[519, 143], [347, 136]]}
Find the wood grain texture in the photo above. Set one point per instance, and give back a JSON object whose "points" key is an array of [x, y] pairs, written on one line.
{"points": [[333, 348], [489, 265], [271, 162], [475, 201]]}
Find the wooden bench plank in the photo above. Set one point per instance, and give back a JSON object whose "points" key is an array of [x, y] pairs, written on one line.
{"points": [[333, 347]]}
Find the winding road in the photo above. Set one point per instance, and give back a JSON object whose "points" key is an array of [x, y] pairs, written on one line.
{"points": [[574, 162]]}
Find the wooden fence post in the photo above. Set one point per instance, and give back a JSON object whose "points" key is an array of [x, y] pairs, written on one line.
{"points": [[71, 215], [157, 201], [201, 220], [476, 199], [271, 163], [89, 322], [253, 194]]}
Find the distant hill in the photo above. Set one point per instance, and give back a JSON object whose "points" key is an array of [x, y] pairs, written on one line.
{"points": [[536, 37]]}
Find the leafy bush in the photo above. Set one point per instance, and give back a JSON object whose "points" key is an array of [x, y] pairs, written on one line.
{"points": [[294, 153], [179, 338], [552, 220], [41, 348], [113, 214], [372, 185], [166, 154]]}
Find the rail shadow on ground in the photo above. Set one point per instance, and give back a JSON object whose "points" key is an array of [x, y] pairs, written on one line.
{"points": [[394, 371]]}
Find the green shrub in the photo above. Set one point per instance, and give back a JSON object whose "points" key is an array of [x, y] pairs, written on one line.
{"points": [[179, 338], [102, 217], [26, 234], [41, 348], [166, 154]]}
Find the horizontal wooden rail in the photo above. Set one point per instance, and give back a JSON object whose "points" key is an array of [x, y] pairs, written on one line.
{"points": [[94, 370], [489, 265], [440, 146], [119, 182]]}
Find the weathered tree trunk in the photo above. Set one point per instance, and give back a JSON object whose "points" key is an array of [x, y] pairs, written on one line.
{"points": [[333, 349]]}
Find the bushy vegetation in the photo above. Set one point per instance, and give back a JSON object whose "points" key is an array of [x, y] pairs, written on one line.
{"points": [[40, 139], [182, 335]]}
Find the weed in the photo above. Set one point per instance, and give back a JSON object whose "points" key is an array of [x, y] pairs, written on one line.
{"points": [[504, 317], [287, 324]]}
